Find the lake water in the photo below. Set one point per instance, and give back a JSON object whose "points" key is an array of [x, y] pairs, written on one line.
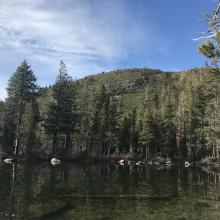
{"points": [[101, 191]]}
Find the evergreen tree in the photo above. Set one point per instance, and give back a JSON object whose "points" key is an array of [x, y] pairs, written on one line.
{"points": [[112, 133], [133, 138], [169, 130], [181, 125], [21, 90], [211, 47], [61, 118], [83, 126], [212, 113], [124, 134], [30, 118], [148, 133], [101, 122]]}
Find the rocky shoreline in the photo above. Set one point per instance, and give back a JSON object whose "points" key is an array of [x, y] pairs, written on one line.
{"points": [[121, 159]]}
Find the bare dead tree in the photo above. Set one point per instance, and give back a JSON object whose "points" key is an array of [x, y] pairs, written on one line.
{"points": [[214, 25]]}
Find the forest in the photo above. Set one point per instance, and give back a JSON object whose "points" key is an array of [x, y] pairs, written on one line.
{"points": [[140, 113]]}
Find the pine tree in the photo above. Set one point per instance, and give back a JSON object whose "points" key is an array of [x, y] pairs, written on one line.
{"points": [[21, 90], [83, 126], [212, 114], [100, 122], [30, 118], [211, 47], [133, 139], [169, 130], [113, 127], [148, 133], [124, 133], [61, 118], [181, 124]]}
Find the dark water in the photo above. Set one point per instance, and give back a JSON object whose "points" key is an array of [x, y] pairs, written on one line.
{"points": [[107, 192]]}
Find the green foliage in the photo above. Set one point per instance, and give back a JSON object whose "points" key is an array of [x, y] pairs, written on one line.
{"points": [[30, 119], [137, 111], [209, 50], [147, 134], [22, 89], [60, 119], [211, 47]]}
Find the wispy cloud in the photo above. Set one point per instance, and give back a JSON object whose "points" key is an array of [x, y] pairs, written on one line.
{"points": [[89, 35]]}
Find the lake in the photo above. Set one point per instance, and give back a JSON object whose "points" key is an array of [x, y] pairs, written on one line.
{"points": [[103, 191]]}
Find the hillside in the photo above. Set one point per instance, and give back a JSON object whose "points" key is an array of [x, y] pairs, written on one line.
{"points": [[128, 85], [176, 100], [141, 112]]}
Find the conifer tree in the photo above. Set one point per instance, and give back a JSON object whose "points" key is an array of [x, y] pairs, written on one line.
{"points": [[168, 127], [30, 118], [147, 134], [61, 118], [22, 89], [113, 127], [124, 134], [211, 47]]}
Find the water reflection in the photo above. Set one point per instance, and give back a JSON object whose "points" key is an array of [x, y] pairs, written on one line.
{"points": [[82, 191]]}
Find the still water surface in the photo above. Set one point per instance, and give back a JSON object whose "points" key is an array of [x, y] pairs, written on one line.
{"points": [[82, 191]]}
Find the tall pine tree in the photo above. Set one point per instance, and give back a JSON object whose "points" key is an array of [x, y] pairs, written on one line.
{"points": [[22, 89], [61, 116]]}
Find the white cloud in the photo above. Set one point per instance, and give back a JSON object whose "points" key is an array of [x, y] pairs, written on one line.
{"points": [[76, 31], [3, 82], [78, 28], [89, 35]]}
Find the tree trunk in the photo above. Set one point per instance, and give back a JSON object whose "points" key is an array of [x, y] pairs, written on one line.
{"points": [[54, 143], [109, 151], [146, 149], [17, 141], [68, 140]]}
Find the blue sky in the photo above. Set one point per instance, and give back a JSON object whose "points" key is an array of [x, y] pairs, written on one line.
{"points": [[92, 36]]}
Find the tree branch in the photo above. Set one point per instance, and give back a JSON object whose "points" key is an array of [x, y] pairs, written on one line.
{"points": [[205, 37]]}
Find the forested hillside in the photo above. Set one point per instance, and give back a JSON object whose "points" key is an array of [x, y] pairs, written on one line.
{"points": [[142, 112]]}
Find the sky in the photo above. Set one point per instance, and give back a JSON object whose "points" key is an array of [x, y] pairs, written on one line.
{"points": [[92, 36]]}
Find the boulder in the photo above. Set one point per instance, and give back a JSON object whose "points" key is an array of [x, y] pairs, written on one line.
{"points": [[54, 161], [9, 160], [121, 162], [187, 164]]}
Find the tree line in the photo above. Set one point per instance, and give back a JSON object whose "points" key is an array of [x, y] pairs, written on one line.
{"points": [[132, 112], [178, 117]]}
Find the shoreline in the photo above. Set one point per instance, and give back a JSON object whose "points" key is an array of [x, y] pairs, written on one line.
{"points": [[123, 159], [119, 158]]}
